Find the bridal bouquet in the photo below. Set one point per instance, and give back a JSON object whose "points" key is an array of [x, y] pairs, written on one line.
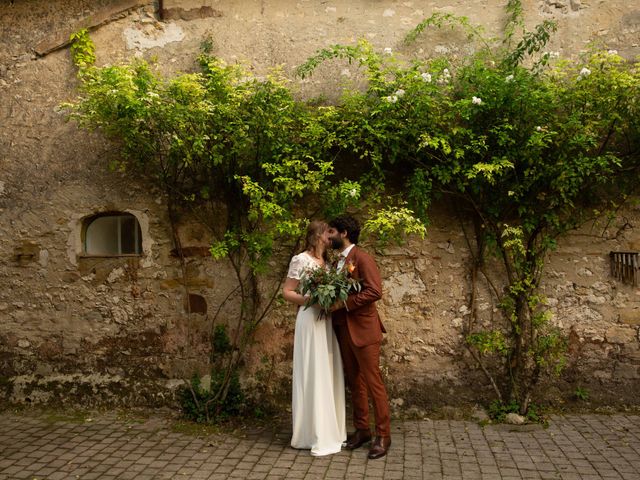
{"points": [[325, 286]]}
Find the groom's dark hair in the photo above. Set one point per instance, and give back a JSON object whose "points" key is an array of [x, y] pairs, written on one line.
{"points": [[346, 223]]}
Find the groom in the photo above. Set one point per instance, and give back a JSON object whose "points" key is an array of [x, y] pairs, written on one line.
{"points": [[359, 332]]}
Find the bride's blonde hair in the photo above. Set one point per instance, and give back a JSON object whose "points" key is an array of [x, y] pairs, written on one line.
{"points": [[315, 229]]}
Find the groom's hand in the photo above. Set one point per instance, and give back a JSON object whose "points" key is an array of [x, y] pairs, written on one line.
{"points": [[336, 306]]}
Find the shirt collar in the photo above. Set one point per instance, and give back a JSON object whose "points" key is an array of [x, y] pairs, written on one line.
{"points": [[347, 250]]}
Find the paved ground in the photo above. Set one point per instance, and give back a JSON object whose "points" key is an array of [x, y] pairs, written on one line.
{"points": [[107, 446]]}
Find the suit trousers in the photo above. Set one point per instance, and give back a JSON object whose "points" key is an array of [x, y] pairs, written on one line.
{"points": [[362, 370]]}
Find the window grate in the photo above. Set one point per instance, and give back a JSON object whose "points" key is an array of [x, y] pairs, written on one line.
{"points": [[625, 266]]}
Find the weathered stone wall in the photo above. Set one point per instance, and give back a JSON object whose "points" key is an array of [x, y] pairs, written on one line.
{"points": [[115, 329]]}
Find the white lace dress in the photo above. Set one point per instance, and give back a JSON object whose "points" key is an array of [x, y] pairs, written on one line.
{"points": [[318, 405]]}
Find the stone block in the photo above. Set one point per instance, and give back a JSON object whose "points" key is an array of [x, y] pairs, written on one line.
{"points": [[187, 4], [70, 277], [180, 13], [602, 374], [632, 354], [192, 251], [630, 316], [514, 419], [620, 334], [173, 283], [26, 252], [626, 371]]}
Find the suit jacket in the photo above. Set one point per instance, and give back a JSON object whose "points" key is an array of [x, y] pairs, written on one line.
{"points": [[361, 315]]}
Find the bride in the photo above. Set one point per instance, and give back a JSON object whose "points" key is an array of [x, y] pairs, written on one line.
{"points": [[318, 405]]}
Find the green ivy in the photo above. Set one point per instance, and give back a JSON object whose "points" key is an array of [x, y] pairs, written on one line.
{"points": [[83, 50]]}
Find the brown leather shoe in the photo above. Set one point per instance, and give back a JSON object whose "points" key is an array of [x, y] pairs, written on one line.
{"points": [[358, 438], [379, 447]]}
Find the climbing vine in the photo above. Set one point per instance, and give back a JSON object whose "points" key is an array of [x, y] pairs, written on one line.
{"points": [[245, 159], [524, 146]]}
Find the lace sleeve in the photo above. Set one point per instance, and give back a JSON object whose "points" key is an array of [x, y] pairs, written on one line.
{"points": [[296, 267]]}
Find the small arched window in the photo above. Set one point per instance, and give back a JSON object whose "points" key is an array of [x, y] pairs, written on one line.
{"points": [[112, 234]]}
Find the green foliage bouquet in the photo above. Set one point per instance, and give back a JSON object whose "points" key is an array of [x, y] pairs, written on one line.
{"points": [[325, 286]]}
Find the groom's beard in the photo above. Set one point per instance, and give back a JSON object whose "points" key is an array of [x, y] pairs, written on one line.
{"points": [[337, 243]]}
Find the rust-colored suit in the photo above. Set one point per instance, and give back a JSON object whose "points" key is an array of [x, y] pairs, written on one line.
{"points": [[359, 331]]}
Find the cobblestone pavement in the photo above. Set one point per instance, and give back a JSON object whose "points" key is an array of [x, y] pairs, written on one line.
{"points": [[108, 447]]}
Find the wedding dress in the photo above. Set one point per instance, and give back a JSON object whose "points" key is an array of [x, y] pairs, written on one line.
{"points": [[318, 397]]}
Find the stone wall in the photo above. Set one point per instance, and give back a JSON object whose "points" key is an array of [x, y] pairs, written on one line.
{"points": [[115, 330]]}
